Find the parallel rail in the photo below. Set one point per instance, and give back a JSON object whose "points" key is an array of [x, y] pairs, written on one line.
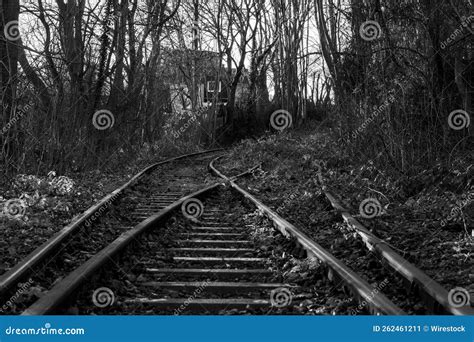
{"points": [[221, 250], [434, 294], [65, 288], [377, 302], [59, 293], [11, 277]]}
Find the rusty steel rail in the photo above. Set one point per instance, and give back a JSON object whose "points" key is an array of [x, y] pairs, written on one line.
{"points": [[10, 278], [377, 302], [433, 293], [63, 290]]}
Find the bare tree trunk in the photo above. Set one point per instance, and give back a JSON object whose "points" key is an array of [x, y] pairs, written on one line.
{"points": [[466, 90], [70, 32], [117, 91], [9, 13], [40, 86]]}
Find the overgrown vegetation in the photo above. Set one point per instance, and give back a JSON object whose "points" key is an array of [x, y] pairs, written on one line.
{"points": [[427, 217], [85, 84]]}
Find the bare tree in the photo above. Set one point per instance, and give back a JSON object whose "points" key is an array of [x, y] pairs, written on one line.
{"points": [[9, 34]]}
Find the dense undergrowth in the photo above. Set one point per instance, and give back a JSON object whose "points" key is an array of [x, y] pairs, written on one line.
{"points": [[295, 157], [439, 195], [36, 205], [425, 214]]}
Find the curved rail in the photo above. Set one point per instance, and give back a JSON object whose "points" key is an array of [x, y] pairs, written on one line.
{"points": [[63, 290], [377, 301], [10, 278], [431, 289]]}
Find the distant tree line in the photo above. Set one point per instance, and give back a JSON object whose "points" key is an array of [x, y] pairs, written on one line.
{"points": [[403, 77], [87, 81], [77, 62]]}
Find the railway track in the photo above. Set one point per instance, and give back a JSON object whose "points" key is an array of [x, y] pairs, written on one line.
{"points": [[179, 242], [434, 296], [101, 224], [207, 264], [404, 283]]}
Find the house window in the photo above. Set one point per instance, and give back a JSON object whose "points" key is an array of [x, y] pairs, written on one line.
{"points": [[211, 86]]}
